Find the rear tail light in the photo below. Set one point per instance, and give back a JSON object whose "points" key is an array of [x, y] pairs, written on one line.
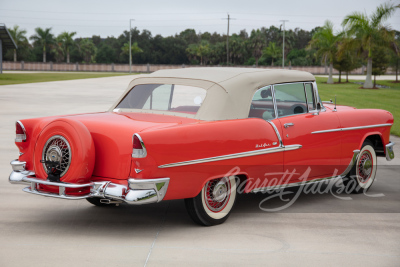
{"points": [[20, 132], [139, 150]]}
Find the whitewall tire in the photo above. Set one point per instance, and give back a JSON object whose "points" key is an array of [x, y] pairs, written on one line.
{"points": [[362, 176], [214, 203]]}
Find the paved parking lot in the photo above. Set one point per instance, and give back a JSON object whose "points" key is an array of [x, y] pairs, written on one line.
{"points": [[317, 229]]}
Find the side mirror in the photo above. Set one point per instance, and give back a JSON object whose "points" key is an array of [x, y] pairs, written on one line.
{"points": [[319, 107], [266, 93]]}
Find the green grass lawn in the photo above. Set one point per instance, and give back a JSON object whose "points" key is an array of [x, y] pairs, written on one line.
{"points": [[17, 78], [349, 94]]}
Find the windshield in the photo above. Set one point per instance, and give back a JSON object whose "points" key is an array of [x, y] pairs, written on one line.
{"points": [[164, 97]]}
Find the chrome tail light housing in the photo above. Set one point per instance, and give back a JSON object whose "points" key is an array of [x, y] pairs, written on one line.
{"points": [[139, 149], [20, 132]]}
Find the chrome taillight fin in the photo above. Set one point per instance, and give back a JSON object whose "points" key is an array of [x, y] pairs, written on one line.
{"points": [[20, 132], [139, 149]]}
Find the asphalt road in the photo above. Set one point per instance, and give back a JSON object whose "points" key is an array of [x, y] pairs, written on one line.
{"points": [[318, 229]]}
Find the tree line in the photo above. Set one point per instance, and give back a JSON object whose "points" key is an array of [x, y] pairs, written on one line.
{"points": [[364, 40], [261, 46]]}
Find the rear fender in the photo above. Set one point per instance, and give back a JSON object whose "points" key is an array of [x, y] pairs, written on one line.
{"points": [[205, 140]]}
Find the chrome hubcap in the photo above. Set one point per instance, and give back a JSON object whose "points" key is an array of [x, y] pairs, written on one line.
{"points": [[365, 167], [220, 191], [216, 194]]}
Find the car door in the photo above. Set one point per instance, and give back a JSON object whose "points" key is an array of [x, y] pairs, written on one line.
{"points": [[319, 155]]}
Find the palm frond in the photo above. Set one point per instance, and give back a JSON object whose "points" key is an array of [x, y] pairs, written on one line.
{"points": [[382, 13]]}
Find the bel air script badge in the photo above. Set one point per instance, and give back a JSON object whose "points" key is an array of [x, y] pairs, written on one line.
{"points": [[262, 145], [265, 145]]}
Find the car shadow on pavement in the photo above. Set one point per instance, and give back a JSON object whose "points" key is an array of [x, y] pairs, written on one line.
{"points": [[122, 219]]}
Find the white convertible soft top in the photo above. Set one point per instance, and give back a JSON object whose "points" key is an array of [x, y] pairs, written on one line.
{"points": [[229, 90]]}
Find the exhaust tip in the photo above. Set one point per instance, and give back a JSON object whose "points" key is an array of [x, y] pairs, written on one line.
{"points": [[110, 201]]}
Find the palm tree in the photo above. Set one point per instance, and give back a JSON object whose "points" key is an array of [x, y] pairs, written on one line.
{"points": [[396, 58], [58, 50], [44, 38], [201, 50], [67, 41], [134, 48], [19, 38], [217, 53], [369, 31], [326, 42], [87, 50], [191, 51], [237, 49], [256, 44], [272, 51]]}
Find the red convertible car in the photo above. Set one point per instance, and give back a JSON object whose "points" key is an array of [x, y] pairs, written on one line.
{"points": [[201, 134]]}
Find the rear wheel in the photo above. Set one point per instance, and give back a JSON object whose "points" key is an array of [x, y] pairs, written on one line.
{"points": [[214, 203], [363, 174]]}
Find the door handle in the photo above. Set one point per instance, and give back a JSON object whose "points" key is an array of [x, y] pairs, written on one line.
{"points": [[287, 125]]}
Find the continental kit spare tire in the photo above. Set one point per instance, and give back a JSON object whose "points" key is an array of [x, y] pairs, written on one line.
{"points": [[69, 142]]}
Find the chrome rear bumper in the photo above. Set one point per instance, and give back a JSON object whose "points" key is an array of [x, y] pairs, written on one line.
{"points": [[137, 192], [389, 150]]}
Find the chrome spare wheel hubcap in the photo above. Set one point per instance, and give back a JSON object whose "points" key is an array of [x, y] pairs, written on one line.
{"points": [[57, 149], [54, 154]]}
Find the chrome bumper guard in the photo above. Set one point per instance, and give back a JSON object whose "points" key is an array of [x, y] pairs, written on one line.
{"points": [[389, 150], [138, 191]]}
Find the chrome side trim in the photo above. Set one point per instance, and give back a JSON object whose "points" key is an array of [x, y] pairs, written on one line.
{"points": [[274, 102], [317, 180], [277, 133], [353, 128], [389, 151], [233, 156], [292, 147]]}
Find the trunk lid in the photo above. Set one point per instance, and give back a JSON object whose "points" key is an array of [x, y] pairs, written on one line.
{"points": [[112, 135]]}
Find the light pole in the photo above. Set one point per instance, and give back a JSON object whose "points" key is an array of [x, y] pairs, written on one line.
{"points": [[227, 41], [130, 46], [283, 44]]}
